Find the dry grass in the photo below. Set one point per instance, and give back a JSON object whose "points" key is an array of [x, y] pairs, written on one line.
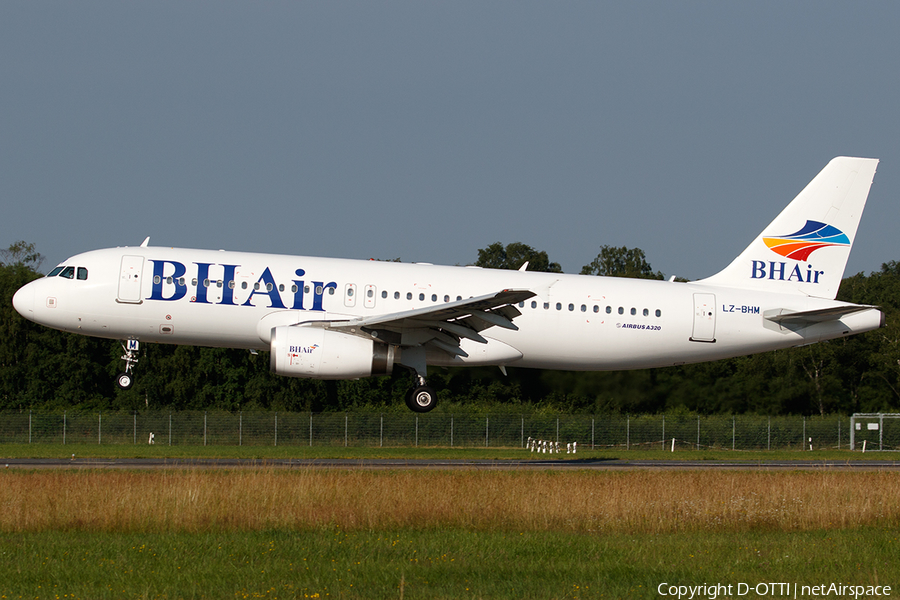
{"points": [[245, 500]]}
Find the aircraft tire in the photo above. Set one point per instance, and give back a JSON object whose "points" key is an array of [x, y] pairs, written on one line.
{"points": [[124, 381], [421, 399]]}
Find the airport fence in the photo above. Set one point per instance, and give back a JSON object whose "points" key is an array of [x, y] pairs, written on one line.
{"points": [[440, 430]]}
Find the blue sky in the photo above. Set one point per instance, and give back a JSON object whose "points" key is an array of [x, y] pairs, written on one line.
{"points": [[426, 130]]}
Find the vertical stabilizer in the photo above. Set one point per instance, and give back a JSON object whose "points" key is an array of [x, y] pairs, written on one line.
{"points": [[805, 249]]}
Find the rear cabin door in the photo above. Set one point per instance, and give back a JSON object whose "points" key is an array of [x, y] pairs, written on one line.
{"points": [[130, 279], [704, 318]]}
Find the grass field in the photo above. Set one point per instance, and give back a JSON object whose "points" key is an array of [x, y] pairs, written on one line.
{"points": [[448, 564], [653, 502], [270, 533], [336, 533]]}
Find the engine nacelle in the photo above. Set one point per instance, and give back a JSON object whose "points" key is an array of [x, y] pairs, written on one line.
{"points": [[319, 353]]}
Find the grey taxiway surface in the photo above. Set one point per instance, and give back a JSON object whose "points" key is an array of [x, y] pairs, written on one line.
{"points": [[440, 464]]}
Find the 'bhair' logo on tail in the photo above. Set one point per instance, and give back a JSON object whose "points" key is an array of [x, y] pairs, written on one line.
{"points": [[813, 235]]}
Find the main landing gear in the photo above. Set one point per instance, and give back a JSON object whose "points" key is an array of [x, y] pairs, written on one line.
{"points": [[126, 380], [421, 398]]}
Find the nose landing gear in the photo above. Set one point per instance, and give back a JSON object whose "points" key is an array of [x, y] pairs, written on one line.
{"points": [[126, 380]]}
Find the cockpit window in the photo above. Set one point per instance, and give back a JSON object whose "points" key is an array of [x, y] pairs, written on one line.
{"points": [[68, 273], [82, 273], [55, 272]]}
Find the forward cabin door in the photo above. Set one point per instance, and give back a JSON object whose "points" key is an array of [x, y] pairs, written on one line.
{"points": [[130, 279], [704, 318]]}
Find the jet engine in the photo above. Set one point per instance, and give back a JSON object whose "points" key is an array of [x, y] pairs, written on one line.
{"points": [[319, 353]]}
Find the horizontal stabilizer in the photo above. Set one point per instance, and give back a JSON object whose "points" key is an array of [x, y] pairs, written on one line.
{"points": [[808, 317]]}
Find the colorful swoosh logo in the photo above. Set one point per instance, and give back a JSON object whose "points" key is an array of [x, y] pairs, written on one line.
{"points": [[813, 235]]}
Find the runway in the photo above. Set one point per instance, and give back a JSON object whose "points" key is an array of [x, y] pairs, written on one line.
{"points": [[389, 464]]}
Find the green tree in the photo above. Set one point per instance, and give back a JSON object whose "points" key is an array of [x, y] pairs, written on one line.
{"points": [[42, 368], [621, 261], [513, 256], [22, 254], [870, 364]]}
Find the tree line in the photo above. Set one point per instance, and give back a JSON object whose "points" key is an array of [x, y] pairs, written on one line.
{"points": [[45, 369]]}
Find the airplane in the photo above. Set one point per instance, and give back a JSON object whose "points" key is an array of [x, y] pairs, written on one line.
{"points": [[330, 318]]}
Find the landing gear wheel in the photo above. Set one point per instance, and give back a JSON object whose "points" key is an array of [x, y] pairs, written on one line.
{"points": [[125, 381], [421, 399]]}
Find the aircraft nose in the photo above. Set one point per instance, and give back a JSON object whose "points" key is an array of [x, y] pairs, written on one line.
{"points": [[23, 301]]}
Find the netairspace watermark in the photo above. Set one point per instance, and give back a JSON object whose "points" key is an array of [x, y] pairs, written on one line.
{"points": [[711, 591]]}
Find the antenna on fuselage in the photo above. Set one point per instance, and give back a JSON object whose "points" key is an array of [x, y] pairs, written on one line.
{"points": [[146, 242]]}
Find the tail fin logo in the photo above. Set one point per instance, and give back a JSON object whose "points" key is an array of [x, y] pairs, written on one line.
{"points": [[813, 235]]}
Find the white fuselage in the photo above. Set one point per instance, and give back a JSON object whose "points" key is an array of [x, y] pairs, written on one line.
{"points": [[574, 322]]}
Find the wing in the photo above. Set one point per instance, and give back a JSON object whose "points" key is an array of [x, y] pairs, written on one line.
{"points": [[441, 326]]}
